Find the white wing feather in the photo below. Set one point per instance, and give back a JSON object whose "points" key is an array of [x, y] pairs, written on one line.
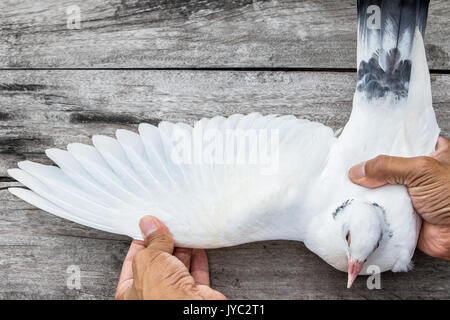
{"points": [[205, 203]]}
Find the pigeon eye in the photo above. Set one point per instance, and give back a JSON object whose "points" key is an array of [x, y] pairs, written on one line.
{"points": [[348, 238]]}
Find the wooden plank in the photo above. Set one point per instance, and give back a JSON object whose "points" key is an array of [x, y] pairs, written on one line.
{"points": [[194, 34], [43, 109], [36, 249]]}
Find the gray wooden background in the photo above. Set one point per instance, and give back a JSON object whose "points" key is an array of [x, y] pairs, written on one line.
{"points": [[150, 60]]}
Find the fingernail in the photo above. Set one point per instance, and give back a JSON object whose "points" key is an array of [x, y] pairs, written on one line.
{"points": [[357, 172], [148, 225]]}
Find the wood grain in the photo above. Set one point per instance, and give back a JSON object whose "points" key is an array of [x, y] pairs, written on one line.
{"points": [[51, 108], [36, 249], [194, 34], [42, 109]]}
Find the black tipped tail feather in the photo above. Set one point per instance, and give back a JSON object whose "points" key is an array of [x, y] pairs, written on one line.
{"points": [[385, 41]]}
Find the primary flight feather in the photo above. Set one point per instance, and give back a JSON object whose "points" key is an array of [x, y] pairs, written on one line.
{"points": [[227, 181]]}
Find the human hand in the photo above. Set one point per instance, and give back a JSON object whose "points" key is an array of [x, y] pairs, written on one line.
{"points": [[428, 183], [153, 269]]}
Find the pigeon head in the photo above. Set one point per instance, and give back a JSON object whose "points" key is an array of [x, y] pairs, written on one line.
{"points": [[363, 228]]}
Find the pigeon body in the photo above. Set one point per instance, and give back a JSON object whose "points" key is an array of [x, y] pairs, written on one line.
{"points": [[228, 181]]}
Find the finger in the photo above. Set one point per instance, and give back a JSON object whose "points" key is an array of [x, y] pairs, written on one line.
{"points": [[431, 240], [210, 294], [156, 235], [422, 243], [385, 169], [442, 152], [127, 270], [442, 144], [184, 255], [199, 267], [126, 274]]}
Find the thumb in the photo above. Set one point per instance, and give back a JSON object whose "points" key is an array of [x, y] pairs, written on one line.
{"points": [[386, 170], [156, 234]]}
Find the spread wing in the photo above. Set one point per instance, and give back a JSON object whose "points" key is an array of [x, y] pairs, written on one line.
{"points": [[221, 182]]}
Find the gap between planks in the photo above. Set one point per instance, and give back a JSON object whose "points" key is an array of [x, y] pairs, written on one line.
{"points": [[218, 69]]}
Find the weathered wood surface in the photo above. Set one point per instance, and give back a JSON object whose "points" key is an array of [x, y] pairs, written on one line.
{"points": [[36, 249], [194, 34], [41, 109]]}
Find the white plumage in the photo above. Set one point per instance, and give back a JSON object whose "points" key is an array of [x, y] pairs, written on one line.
{"points": [[290, 182]]}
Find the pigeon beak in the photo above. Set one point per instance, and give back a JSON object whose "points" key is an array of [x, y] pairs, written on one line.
{"points": [[354, 268]]}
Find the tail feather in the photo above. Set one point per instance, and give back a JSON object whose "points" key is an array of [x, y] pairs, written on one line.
{"points": [[386, 30]]}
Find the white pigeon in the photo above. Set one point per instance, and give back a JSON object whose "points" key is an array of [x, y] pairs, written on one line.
{"points": [[228, 181]]}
